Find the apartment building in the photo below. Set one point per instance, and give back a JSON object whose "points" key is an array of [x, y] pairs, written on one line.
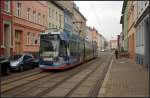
{"points": [[131, 29], [29, 20], [68, 24], [113, 44], [142, 33], [66, 5], [124, 23], [79, 21], [55, 15], [6, 35], [88, 33], [120, 41], [98, 41]]}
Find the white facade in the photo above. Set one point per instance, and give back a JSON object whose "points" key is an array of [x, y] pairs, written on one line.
{"points": [[88, 34], [113, 44], [141, 19], [101, 42]]}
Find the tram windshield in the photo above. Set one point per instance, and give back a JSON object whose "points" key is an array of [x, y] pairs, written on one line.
{"points": [[49, 46]]}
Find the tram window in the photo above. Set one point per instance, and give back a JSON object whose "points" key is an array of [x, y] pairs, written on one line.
{"points": [[72, 48], [46, 45], [62, 49]]}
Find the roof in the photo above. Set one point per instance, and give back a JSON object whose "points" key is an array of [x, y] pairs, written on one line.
{"points": [[58, 5], [79, 13]]}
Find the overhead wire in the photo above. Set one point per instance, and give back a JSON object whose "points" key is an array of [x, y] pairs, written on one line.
{"points": [[99, 21]]}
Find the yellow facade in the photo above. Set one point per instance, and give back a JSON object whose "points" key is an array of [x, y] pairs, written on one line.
{"points": [[55, 16], [131, 29], [79, 21]]}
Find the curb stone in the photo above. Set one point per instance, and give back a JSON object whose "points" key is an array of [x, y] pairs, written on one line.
{"points": [[103, 88]]}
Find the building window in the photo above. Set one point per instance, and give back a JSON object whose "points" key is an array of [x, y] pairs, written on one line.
{"points": [[38, 39], [146, 2], [56, 15], [60, 20], [28, 38], [39, 18], [49, 12], [7, 6], [28, 13], [49, 25], [44, 20], [142, 41], [17, 35], [52, 13], [34, 16], [33, 39], [18, 9]]}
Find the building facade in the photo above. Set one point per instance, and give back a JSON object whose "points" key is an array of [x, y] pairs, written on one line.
{"points": [[113, 44], [55, 15], [130, 28], [125, 25], [66, 5], [99, 41], [6, 35], [120, 41], [68, 25], [79, 21], [29, 20], [88, 33], [142, 33]]}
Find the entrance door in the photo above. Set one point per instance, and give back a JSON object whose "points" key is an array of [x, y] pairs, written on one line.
{"points": [[7, 39], [18, 41]]}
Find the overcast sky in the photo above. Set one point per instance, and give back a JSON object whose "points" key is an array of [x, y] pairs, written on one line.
{"points": [[103, 15]]}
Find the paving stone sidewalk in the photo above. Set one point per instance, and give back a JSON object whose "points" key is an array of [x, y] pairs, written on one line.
{"points": [[126, 79]]}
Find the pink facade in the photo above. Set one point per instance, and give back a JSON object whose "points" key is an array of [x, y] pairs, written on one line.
{"points": [[6, 28], [30, 19]]}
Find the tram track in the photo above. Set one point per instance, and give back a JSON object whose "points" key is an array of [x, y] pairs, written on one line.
{"points": [[94, 91], [60, 82], [4, 82], [24, 83], [72, 90], [18, 74], [19, 86], [35, 90]]}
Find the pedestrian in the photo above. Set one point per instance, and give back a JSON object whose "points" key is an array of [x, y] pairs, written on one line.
{"points": [[116, 53]]}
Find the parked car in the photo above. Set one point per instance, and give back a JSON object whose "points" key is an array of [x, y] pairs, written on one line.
{"points": [[22, 62], [5, 66]]}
